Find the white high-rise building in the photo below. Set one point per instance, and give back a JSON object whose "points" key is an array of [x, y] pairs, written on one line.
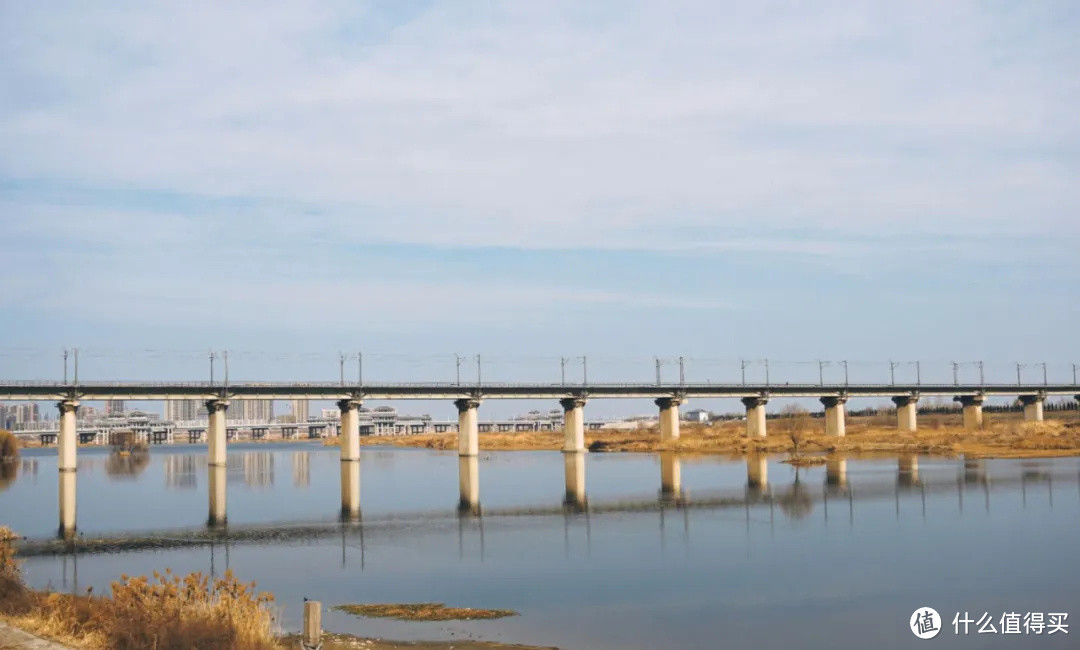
{"points": [[114, 407], [251, 410], [301, 408], [182, 409]]}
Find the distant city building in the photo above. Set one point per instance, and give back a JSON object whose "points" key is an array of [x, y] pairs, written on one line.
{"points": [[300, 410], [114, 407], [180, 410], [331, 414], [18, 416], [250, 410]]}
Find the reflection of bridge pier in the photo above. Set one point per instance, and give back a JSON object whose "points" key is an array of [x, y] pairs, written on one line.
{"points": [[67, 505], [757, 474], [180, 471], [1030, 471], [301, 468], [469, 485], [670, 476], [217, 492], [574, 463], [350, 490], [975, 471], [907, 470], [836, 473], [258, 468]]}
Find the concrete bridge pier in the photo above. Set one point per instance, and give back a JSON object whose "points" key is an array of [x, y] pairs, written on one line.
{"points": [[973, 412], [469, 485], [350, 429], [670, 475], [574, 424], [68, 443], [907, 471], [906, 412], [468, 427], [215, 431], [350, 490], [669, 418], [755, 416], [575, 480], [1033, 407], [67, 440], [217, 480], [350, 459], [836, 472], [834, 415]]}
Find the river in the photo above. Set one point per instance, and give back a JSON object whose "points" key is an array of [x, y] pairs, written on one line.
{"points": [[612, 551]]}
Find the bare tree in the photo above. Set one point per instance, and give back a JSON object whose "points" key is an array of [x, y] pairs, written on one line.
{"points": [[793, 422]]}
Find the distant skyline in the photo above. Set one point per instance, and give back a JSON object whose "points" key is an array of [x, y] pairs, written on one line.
{"points": [[862, 181]]}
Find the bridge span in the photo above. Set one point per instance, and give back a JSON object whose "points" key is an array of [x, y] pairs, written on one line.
{"points": [[468, 397], [143, 390]]}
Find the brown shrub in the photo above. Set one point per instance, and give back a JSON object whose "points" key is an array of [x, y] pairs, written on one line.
{"points": [[166, 613], [170, 612], [9, 445], [14, 596]]}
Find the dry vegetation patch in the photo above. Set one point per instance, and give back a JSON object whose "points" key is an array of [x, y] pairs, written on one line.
{"points": [[795, 433], [424, 612], [167, 612], [9, 446]]}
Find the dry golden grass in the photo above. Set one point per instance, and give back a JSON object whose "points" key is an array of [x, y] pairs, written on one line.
{"points": [[9, 445], [424, 612], [1006, 438], [805, 461], [13, 593], [166, 613]]}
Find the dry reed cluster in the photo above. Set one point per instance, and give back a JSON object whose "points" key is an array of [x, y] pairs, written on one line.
{"points": [[167, 612]]}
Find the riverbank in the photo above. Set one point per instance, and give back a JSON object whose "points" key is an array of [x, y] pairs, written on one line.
{"points": [[172, 612], [1009, 439]]}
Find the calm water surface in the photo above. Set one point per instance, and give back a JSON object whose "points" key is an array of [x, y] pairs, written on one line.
{"points": [[726, 555]]}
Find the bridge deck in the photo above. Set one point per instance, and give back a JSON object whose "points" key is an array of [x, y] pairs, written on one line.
{"points": [[35, 390]]}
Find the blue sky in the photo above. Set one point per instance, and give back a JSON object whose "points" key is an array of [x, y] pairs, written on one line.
{"points": [[843, 180]]}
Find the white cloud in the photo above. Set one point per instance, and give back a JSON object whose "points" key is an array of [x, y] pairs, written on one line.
{"points": [[554, 124]]}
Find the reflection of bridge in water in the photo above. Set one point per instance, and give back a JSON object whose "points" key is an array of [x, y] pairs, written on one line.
{"points": [[796, 500]]}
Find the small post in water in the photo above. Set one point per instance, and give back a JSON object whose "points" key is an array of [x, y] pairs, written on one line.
{"points": [[312, 637]]}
